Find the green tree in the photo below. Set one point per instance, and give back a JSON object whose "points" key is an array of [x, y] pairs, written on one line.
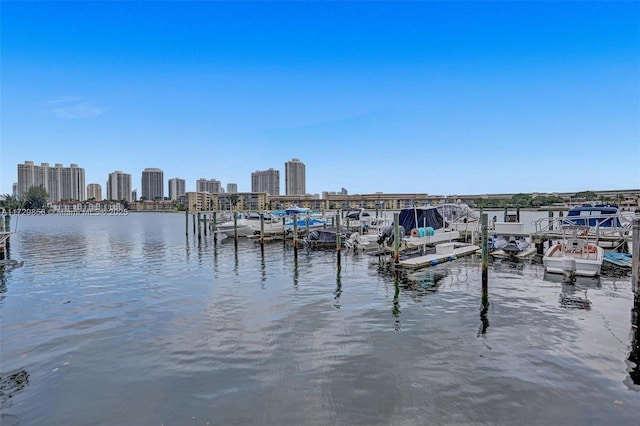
{"points": [[10, 202], [35, 198], [586, 196], [521, 200]]}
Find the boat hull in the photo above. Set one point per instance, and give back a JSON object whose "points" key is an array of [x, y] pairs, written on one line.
{"points": [[586, 262]]}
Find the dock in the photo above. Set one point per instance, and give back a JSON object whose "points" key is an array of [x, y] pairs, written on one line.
{"points": [[444, 253]]}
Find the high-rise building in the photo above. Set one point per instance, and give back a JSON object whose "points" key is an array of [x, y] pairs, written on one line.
{"points": [[177, 188], [119, 186], [94, 191], [211, 186], [152, 184], [266, 181], [61, 183], [294, 176], [232, 188]]}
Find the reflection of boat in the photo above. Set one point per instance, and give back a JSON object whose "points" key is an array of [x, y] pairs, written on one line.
{"points": [[574, 257]]}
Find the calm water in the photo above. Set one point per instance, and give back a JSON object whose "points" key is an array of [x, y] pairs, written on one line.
{"points": [[125, 321]]}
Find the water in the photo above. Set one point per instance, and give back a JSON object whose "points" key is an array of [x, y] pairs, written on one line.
{"points": [[125, 321]]}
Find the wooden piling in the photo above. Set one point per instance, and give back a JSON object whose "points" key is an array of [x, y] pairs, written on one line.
{"points": [[396, 238], [204, 226], [194, 222], [338, 240], [485, 252], [186, 222], [199, 228], [550, 220], [235, 226], [214, 227], [295, 234], [261, 231], [635, 256]]}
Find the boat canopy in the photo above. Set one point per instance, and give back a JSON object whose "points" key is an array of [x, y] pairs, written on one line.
{"points": [[603, 215], [421, 217]]}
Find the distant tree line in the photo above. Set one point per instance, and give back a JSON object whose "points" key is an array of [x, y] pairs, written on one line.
{"points": [[526, 200]]}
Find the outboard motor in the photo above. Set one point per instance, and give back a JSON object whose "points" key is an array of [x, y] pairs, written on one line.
{"points": [[386, 237]]}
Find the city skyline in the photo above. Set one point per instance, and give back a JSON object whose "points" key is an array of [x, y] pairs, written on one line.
{"points": [[395, 97]]}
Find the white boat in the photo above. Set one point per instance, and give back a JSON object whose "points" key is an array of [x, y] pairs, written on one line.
{"points": [[574, 257], [248, 224]]}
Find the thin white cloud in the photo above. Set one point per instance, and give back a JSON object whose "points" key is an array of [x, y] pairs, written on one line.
{"points": [[72, 107]]}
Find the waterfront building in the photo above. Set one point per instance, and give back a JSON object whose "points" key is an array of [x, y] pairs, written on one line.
{"points": [[61, 183], [152, 184], [177, 188], [201, 201], [119, 186], [295, 177], [266, 181], [211, 186], [232, 188], [94, 191]]}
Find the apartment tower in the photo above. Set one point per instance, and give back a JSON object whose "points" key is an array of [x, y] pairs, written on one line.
{"points": [[294, 176], [266, 181], [119, 186], [61, 183], [177, 188], [152, 184]]}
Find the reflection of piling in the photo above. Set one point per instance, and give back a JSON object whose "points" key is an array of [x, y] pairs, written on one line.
{"points": [[634, 354], [485, 252], [396, 238], [635, 265]]}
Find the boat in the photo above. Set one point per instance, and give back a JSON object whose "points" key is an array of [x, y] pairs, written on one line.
{"points": [[248, 224], [622, 260], [509, 239], [428, 225], [574, 256], [605, 223]]}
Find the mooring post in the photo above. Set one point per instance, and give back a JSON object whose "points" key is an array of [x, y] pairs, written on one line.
{"points": [[194, 222], [550, 220], [261, 230], [235, 226], [307, 226], [199, 230], [7, 223], [485, 253], [186, 222], [518, 214], [635, 262], [295, 234], [506, 215], [284, 230], [215, 226], [396, 238], [338, 242], [205, 224]]}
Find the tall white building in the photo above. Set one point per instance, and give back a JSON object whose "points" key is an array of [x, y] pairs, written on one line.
{"points": [[61, 183], [295, 177], [152, 184], [177, 188], [211, 186], [266, 181], [119, 186], [94, 190]]}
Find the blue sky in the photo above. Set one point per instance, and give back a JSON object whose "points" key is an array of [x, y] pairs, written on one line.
{"points": [[428, 97]]}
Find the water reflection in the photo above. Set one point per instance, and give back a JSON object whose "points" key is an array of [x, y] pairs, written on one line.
{"points": [[634, 354], [338, 290]]}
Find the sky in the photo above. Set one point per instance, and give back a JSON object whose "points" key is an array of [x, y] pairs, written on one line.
{"points": [[395, 97]]}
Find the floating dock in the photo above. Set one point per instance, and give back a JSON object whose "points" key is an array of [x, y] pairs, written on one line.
{"points": [[444, 253]]}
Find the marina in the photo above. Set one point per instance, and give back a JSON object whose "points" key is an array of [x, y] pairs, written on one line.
{"points": [[137, 323]]}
